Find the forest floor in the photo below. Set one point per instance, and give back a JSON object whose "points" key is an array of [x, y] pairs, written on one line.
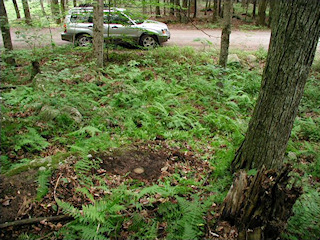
{"points": [[141, 149]]}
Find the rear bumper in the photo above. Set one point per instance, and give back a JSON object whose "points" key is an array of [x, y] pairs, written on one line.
{"points": [[67, 37]]}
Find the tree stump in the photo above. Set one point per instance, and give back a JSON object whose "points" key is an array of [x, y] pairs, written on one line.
{"points": [[260, 205]]}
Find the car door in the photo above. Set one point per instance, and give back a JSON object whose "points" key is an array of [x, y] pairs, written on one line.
{"points": [[119, 27]]}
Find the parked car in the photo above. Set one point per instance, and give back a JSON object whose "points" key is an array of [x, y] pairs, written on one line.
{"points": [[118, 26]]}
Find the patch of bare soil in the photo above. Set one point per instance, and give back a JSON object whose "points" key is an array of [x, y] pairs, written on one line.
{"points": [[138, 163]]}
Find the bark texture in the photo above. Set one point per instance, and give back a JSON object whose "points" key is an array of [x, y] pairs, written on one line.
{"points": [[16, 8], [98, 32], [260, 205], [5, 29], [26, 11], [294, 37], [262, 12], [225, 35], [5, 32]]}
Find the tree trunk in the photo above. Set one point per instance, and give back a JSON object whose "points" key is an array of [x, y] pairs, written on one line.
{"points": [[260, 205], [254, 9], [158, 13], [16, 8], [185, 18], [63, 8], [270, 13], [215, 10], [220, 9], [295, 34], [55, 11], [5, 31], [42, 8], [225, 35], [26, 11], [172, 8], [195, 8], [74, 3], [262, 12], [178, 10], [98, 32]]}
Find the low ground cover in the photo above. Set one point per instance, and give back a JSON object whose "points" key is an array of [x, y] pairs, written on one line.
{"points": [[140, 148]]}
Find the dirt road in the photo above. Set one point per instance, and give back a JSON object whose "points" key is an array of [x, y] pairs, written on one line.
{"points": [[244, 40]]}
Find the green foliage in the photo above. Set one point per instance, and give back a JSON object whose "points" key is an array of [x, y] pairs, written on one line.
{"points": [[31, 141], [305, 223], [179, 94], [43, 183]]}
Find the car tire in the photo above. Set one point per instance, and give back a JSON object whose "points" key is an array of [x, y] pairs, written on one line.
{"points": [[148, 41], [83, 40]]}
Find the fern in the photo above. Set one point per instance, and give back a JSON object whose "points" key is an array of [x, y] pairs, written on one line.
{"points": [[31, 141], [92, 131], [43, 184]]}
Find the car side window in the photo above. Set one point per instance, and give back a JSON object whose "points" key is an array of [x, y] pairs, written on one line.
{"points": [[81, 18], [116, 18]]}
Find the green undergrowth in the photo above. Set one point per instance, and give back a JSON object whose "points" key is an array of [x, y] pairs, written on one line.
{"points": [[177, 94]]}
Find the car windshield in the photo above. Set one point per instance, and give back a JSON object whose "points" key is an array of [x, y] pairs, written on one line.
{"points": [[136, 17]]}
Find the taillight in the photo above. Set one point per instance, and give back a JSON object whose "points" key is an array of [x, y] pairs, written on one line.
{"points": [[65, 27]]}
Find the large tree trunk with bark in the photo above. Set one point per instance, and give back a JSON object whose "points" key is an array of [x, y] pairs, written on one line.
{"points": [[264, 203], [260, 205], [294, 38], [262, 12], [26, 11], [16, 8], [98, 32], [225, 35], [5, 31]]}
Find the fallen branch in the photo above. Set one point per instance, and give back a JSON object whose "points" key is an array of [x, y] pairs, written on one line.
{"points": [[36, 220]]}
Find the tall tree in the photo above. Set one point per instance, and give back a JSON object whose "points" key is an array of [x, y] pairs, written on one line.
{"points": [[225, 34], [262, 12], [26, 11], [16, 8], [295, 33], [195, 8], [254, 9], [98, 32], [5, 30], [55, 11], [263, 203]]}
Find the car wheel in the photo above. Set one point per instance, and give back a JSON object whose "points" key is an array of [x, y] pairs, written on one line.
{"points": [[83, 40], [148, 41]]}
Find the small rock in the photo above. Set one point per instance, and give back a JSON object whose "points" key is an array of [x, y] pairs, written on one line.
{"points": [[233, 58], [138, 170], [251, 58]]}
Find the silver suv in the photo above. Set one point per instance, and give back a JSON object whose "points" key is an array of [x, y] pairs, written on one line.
{"points": [[78, 28]]}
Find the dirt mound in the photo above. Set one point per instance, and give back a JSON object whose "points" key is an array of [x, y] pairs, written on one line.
{"points": [[138, 162]]}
